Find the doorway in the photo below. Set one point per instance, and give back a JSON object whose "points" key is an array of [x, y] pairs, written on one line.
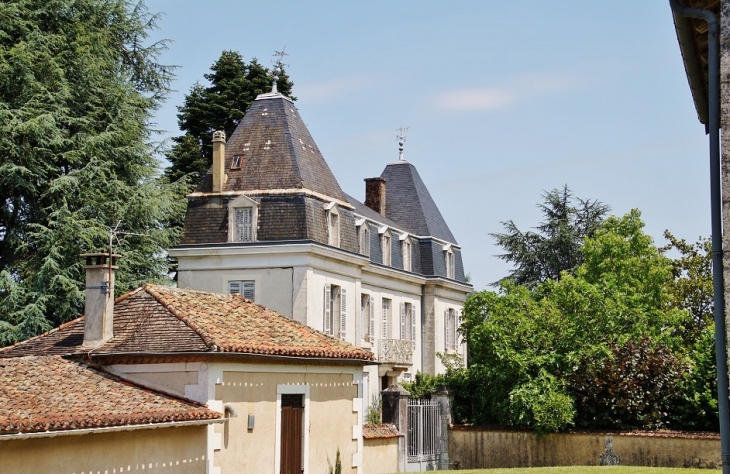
{"points": [[292, 415]]}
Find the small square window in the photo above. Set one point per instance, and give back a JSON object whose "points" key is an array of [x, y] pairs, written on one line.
{"points": [[237, 162]]}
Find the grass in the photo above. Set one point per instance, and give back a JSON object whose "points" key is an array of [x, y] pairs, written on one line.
{"points": [[586, 470]]}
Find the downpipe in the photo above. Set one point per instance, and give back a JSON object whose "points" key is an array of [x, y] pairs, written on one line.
{"points": [[713, 58]]}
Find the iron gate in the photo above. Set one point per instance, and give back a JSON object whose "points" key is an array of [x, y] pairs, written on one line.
{"points": [[424, 430]]}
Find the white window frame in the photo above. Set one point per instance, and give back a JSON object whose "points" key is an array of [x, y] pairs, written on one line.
{"points": [[335, 311], [451, 325], [406, 252], [333, 232], [241, 202], [449, 262], [367, 318], [408, 322], [363, 236], [386, 247], [245, 288]]}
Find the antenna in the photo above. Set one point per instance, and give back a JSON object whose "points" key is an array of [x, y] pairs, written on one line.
{"points": [[279, 66], [113, 235], [401, 137]]}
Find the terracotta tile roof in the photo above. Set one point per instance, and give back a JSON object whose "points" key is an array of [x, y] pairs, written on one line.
{"points": [[380, 431], [159, 319], [47, 393]]}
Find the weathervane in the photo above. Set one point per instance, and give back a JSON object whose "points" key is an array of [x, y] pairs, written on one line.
{"points": [[401, 137], [278, 68]]}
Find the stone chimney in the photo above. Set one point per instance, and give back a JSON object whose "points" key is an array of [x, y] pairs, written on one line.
{"points": [[99, 308], [219, 160], [375, 194]]}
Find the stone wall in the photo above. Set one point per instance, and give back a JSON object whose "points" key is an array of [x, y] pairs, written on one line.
{"points": [[487, 448]]}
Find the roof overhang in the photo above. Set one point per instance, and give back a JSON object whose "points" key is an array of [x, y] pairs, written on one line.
{"points": [[167, 357], [692, 38]]}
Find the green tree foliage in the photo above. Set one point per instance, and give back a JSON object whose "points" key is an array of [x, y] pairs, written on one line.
{"points": [[529, 347], [233, 86], [556, 245], [77, 86]]}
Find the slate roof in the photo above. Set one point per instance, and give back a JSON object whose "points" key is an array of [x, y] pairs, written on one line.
{"points": [[278, 152], [157, 319], [365, 211], [408, 202], [48, 393]]}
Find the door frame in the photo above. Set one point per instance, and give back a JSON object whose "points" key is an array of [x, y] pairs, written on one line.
{"points": [[293, 390]]}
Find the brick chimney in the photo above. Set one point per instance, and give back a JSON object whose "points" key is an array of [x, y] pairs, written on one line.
{"points": [[375, 194], [99, 307], [219, 160]]}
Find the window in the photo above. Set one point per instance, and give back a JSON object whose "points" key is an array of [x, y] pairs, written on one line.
{"points": [[237, 162], [245, 288], [335, 311], [367, 318], [385, 244], [244, 224], [242, 219], [451, 324], [408, 323], [364, 238], [450, 264], [406, 251], [385, 322], [333, 224]]}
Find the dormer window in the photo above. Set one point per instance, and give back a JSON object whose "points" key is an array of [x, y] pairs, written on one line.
{"points": [[237, 162], [363, 236], [405, 247], [333, 224], [385, 245], [242, 219], [449, 262]]}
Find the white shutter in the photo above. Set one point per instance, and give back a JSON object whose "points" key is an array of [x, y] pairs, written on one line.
{"points": [[248, 224], [327, 309], [413, 325], [446, 330], [402, 321], [248, 289], [457, 318], [343, 314], [234, 287], [372, 320], [384, 326], [239, 225]]}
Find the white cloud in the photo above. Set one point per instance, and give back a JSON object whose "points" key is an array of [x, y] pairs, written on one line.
{"points": [[491, 98]]}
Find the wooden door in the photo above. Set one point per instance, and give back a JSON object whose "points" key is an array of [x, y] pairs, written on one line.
{"points": [[292, 412]]}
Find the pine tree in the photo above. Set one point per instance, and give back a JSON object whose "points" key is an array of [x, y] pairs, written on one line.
{"points": [[234, 84], [78, 84], [556, 246]]}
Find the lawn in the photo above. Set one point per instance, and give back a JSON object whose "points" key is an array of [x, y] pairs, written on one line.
{"points": [[586, 470]]}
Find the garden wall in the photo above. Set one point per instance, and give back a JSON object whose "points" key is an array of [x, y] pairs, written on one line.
{"points": [[474, 448]]}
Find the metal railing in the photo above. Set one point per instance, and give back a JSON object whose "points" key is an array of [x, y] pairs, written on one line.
{"points": [[396, 351], [424, 430]]}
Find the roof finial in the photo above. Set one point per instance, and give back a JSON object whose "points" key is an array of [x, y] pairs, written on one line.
{"points": [[278, 68], [401, 137]]}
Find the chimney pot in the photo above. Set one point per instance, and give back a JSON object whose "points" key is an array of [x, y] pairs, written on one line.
{"points": [[99, 298], [219, 160], [375, 194]]}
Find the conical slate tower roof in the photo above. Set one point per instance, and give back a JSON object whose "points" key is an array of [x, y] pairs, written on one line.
{"points": [[409, 203], [278, 153]]}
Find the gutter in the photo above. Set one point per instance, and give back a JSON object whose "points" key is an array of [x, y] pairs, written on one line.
{"points": [[111, 429], [713, 129], [222, 354]]}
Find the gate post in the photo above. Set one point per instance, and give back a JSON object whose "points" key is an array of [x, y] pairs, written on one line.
{"points": [[444, 398], [395, 411]]}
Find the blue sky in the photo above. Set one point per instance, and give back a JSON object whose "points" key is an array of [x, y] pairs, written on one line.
{"points": [[503, 100]]}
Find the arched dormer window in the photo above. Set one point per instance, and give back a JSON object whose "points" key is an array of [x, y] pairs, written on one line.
{"points": [[385, 245], [243, 215], [406, 252], [363, 236], [449, 261], [333, 224]]}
